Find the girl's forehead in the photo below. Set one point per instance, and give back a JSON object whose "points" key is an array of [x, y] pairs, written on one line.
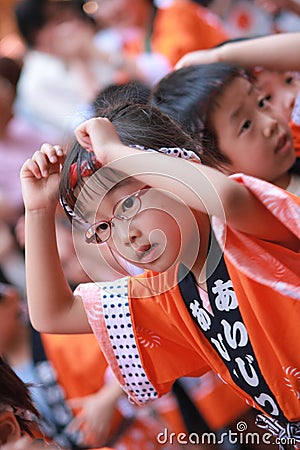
{"points": [[102, 204]]}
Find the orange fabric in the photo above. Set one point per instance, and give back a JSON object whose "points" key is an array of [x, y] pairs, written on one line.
{"points": [[273, 330], [78, 360], [296, 137], [218, 404], [80, 365], [184, 27], [266, 280]]}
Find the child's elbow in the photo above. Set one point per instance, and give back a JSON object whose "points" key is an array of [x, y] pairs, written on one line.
{"points": [[43, 325]]}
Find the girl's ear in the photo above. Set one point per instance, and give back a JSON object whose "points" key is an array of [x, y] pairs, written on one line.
{"points": [[9, 427]]}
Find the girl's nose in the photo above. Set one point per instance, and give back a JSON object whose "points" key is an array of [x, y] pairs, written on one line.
{"points": [[127, 231], [134, 232]]}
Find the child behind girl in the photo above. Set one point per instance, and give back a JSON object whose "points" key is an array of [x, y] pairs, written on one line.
{"points": [[238, 129], [277, 55], [192, 309]]}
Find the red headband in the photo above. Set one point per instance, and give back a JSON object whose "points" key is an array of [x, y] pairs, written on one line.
{"points": [[85, 170]]}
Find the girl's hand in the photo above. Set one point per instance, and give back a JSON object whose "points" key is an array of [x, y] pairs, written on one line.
{"points": [[199, 57], [100, 136], [40, 178]]}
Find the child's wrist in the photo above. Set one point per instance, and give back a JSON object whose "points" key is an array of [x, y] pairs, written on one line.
{"points": [[43, 212]]}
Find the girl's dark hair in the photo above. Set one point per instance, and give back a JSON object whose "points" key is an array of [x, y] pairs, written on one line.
{"points": [[135, 91], [189, 96], [15, 394], [136, 124]]}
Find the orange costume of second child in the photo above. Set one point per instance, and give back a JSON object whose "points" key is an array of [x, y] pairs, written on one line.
{"points": [[154, 328]]}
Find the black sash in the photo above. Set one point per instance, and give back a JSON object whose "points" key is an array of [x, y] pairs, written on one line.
{"points": [[225, 329]]}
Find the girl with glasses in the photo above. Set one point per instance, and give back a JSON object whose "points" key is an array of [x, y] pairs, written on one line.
{"points": [[219, 255]]}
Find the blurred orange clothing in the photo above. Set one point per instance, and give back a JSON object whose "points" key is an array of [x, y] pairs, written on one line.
{"points": [[179, 28], [185, 26], [81, 367]]}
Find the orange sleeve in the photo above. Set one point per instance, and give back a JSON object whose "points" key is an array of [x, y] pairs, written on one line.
{"points": [[185, 27], [78, 360]]}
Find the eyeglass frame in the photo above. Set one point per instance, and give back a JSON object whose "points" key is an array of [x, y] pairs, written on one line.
{"points": [[94, 237]]}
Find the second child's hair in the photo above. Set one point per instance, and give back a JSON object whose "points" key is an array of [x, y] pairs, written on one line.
{"points": [[136, 124], [189, 95]]}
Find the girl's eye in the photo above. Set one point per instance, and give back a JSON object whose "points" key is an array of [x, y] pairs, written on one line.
{"points": [[128, 203], [102, 227], [246, 125]]}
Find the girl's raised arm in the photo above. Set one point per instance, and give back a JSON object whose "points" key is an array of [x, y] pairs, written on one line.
{"points": [[274, 52], [202, 188], [52, 307]]}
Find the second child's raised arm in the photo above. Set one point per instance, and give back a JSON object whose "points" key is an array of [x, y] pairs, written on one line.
{"points": [[274, 52], [52, 306]]}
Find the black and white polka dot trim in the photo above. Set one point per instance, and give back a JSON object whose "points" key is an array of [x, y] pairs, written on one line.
{"points": [[172, 151], [117, 317]]}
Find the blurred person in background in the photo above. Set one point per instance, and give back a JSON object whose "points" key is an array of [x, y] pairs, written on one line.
{"points": [[18, 138], [157, 33], [63, 67]]}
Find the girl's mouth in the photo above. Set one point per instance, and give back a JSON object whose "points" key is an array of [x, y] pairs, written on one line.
{"points": [[147, 253]]}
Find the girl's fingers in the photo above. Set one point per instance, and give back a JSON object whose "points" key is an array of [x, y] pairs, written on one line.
{"points": [[29, 168], [53, 152], [98, 130], [83, 137], [83, 131], [47, 157], [43, 163]]}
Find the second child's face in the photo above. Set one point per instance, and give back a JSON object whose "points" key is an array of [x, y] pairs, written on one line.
{"points": [[250, 132], [280, 88], [159, 235]]}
